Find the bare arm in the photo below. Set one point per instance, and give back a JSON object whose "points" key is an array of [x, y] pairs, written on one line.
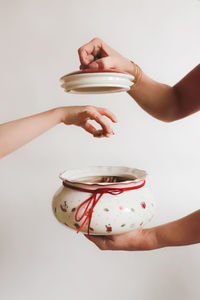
{"points": [[16, 133], [163, 102], [168, 103], [185, 231]]}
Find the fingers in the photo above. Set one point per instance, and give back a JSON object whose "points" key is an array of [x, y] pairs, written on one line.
{"points": [[113, 242], [93, 65], [88, 51], [102, 242], [139, 239], [89, 128], [93, 113], [98, 55], [83, 67], [107, 113], [103, 63], [107, 130], [97, 114]]}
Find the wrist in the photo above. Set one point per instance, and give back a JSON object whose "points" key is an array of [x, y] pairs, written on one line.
{"points": [[60, 114], [136, 71], [143, 239], [130, 67], [162, 234], [151, 238], [137, 74]]}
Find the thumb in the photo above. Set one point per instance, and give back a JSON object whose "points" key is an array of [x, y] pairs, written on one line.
{"points": [[103, 63]]}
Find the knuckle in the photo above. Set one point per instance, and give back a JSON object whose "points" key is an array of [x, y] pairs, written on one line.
{"points": [[105, 110], [103, 64], [88, 108], [95, 116], [96, 39], [79, 50]]}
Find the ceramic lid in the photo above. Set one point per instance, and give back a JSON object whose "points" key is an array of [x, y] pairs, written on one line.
{"points": [[89, 71], [97, 81]]}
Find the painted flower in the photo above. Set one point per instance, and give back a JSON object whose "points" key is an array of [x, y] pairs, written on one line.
{"points": [[106, 209], [64, 206], [143, 205], [108, 228], [77, 225]]}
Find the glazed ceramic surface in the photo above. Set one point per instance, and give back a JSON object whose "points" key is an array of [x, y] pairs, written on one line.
{"points": [[115, 212], [97, 81]]}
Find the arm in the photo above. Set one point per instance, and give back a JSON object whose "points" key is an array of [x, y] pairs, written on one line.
{"points": [[163, 102], [168, 103], [16, 133], [185, 231]]}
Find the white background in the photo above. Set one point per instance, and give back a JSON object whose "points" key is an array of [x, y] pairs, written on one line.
{"points": [[39, 258]]}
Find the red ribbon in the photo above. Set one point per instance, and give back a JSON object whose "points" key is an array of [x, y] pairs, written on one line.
{"points": [[94, 199]]}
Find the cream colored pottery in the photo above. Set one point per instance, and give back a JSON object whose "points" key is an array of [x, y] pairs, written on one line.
{"points": [[97, 81], [122, 206]]}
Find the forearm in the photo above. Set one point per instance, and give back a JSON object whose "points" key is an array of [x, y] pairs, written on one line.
{"points": [[16, 133], [157, 99], [164, 102], [185, 231]]}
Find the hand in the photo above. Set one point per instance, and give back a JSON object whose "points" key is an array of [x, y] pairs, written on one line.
{"points": [[98, 55], [140, 239], [79, 116], [24, 130]]}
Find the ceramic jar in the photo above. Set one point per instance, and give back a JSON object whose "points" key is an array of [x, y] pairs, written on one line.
{"points": [[103, 200]]}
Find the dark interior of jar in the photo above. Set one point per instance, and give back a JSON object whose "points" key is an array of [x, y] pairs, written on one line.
{"points": [[100, 179]]}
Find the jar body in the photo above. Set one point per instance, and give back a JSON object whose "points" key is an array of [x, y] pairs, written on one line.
{"points": [[113, 214]]}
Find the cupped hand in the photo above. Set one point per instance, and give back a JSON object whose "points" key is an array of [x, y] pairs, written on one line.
{"points": [[139, 239], [98, 55], [80, 115]]}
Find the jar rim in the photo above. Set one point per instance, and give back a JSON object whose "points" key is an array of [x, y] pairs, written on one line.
{"points": [[76, 176]]}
